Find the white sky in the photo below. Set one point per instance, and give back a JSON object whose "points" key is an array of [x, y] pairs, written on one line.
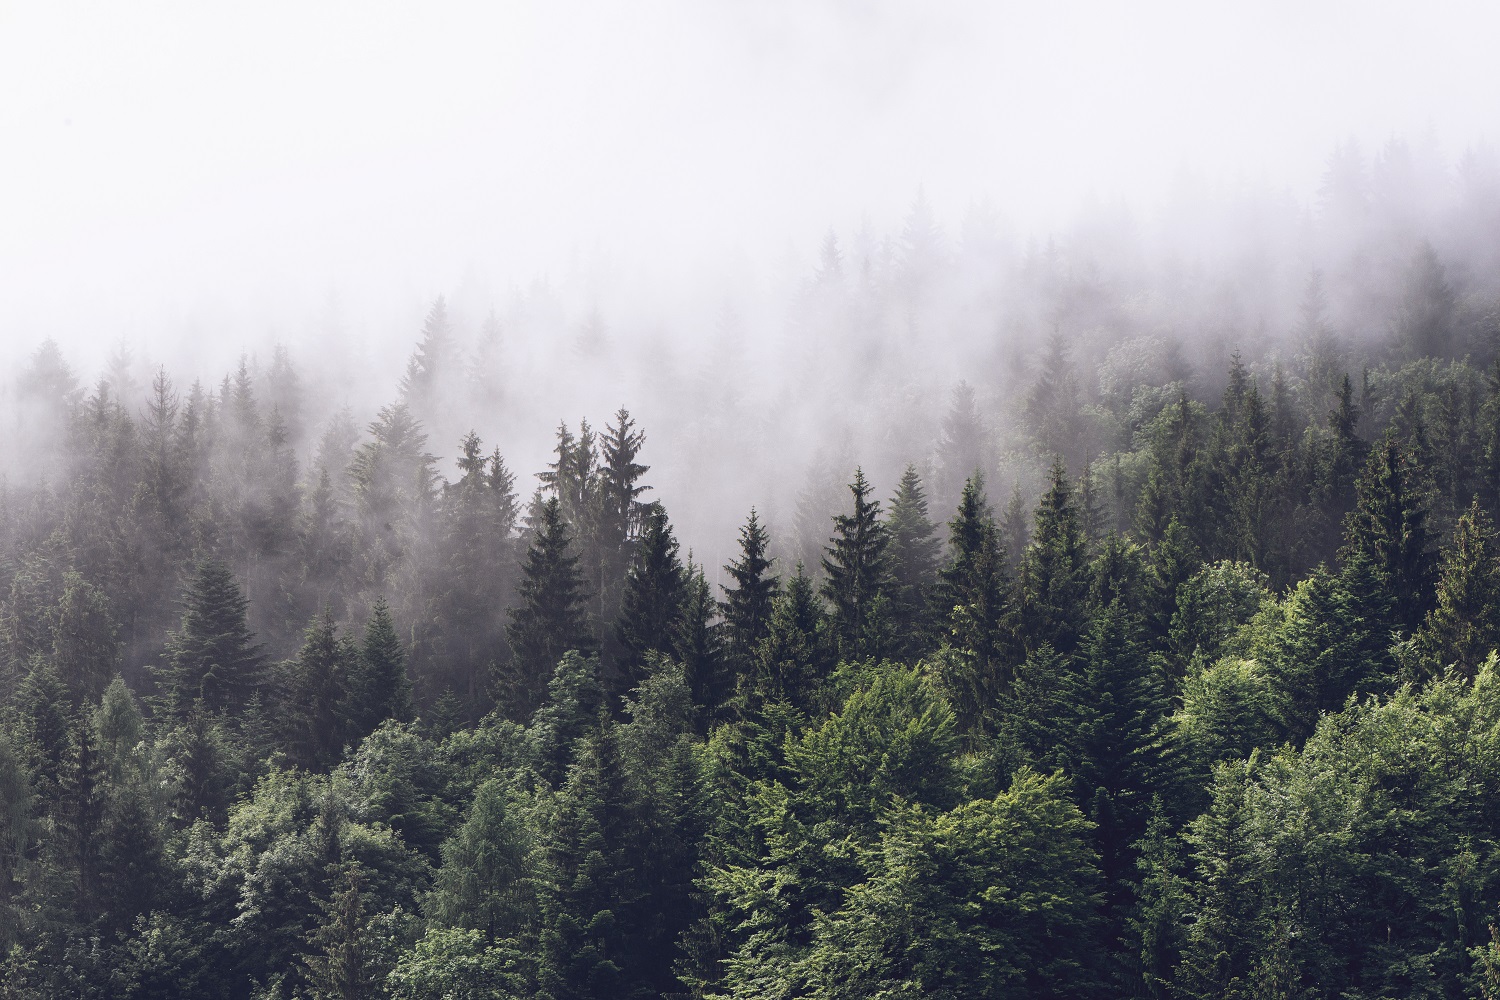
{"points": [[157, 157]]}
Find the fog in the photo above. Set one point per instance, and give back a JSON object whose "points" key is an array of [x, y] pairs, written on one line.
{"points": [[640, 193]]}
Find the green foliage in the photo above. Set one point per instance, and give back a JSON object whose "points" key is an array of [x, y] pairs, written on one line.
{"points": [[651, 610], [212, 657], [378, 687], [549, 621], [975, 902], [457, 964], [857, 571]]}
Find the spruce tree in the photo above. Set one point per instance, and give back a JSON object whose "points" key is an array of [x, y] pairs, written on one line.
{"points": [[1464, 626], [973, 600], [378, 687], [857, 572], [549, 620], [699, 646], [212, 657], [795, 658], [913, 552], [747, 607], [318, 691], [1054, 574], [1386, 536], [651, 610]]}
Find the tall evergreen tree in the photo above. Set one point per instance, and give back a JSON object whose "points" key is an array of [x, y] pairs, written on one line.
{"points": [[857, 572], [913, 552], [974, 601], [651, 611], [318, 693], [1464, 625], [378, 687], [1386, 536], [1054, 574], [549, 620], [212, 656], [747, 607]]}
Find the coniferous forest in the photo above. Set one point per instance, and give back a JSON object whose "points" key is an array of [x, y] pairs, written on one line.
{"points": [[1156, 657]]}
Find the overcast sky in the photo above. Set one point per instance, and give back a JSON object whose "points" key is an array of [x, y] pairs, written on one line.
{"points": [[252, 156]]}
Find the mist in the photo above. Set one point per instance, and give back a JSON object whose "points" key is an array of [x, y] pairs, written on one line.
{"points": [[198, 185]]}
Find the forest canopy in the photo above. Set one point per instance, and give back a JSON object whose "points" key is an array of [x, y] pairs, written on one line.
{"points": [[1154, 657]]}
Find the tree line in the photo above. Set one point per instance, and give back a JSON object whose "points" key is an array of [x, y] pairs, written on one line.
{"points": [[1209, 712]]}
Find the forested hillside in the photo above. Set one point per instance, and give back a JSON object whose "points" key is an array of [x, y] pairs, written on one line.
{"points": [[1166, 667]]}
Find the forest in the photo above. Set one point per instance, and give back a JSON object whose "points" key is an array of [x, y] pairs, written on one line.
{"points": [[1154, 657]]}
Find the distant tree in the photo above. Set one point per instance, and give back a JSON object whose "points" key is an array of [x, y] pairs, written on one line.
{"points": [[962, 447], [428, 363]]}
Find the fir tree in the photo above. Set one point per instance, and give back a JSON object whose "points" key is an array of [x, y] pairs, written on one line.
{"points": [[1464, 626], [747, 607], [1385, 535], [378, 687], [857, 570], [549, 620], [973, 597], [1054, 574], [318, 693], [212, 657], [913, 552], [651, 610], [795, 658]]}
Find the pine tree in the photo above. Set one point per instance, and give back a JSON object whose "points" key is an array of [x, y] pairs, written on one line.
{"points": [[747, 607], [212, 657], [428, 363], [318, 691], [963, 446], [857, 572], [651, 610], [341, 963], [549, 620], [587, 881], [795, 659], [1385, 535], [1054, 574], [699, 646], [485, 882], [378, 687], [973, 599], [1464, 626], [913, 553], [85, 646]]}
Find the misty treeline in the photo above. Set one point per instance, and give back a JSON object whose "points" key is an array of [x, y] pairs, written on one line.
{"points": [[1156, 658]]}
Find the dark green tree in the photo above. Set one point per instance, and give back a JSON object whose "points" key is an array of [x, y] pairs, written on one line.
{"points": [[212, 657], [549, 619], [1054, 574], [747, 607], [317, 694], [651, 610], [378, 687], [857, 572], [913, 554]]}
